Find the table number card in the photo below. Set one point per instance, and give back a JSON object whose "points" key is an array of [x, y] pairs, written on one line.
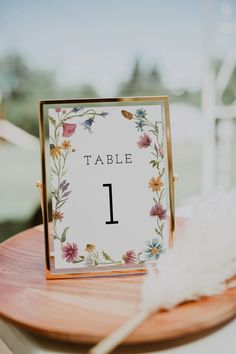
{"points": [[107, 169]]}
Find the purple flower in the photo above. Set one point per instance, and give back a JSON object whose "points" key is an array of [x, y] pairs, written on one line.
{"points": [[144, 141], [88, 123], [69, 251], [129, 257], [62, 184], [66, 194], [68, 129], [158, 210], [58, 109], [64, 188]]}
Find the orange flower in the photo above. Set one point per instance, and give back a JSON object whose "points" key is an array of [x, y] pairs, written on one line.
{"points": [[127, 115], [90, 247], [66, 144], [57, 215], [155, 184], [55, 151]]}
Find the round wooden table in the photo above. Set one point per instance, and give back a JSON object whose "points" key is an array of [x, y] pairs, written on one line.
{"points": [[87, 310]]}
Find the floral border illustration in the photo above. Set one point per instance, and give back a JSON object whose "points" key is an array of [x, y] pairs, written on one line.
{"points": [[60, 150]]}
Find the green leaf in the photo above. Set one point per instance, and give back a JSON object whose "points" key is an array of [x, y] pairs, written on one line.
{"points": [[53, 121], [155, 200], [106, 256], [77, 261], [63, 236], [158, 232]]}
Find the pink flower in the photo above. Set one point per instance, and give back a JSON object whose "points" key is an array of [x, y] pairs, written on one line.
{"points": [[129, 257], [64, 111], [161, 152], [58, 109], [158, 210], [68, 129], [69, 251], [144, 141]]}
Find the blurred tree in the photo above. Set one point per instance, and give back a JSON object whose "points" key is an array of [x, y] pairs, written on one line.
{"points": [[13, 75], [21, 89], [143, 84], [87, 91]]}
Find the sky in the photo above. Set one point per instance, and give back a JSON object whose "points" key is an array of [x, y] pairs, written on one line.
{"points": [[97, 41]]}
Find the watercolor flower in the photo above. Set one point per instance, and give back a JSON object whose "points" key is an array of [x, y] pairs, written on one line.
{"points": [[58, 109], [68, 129], [154, 249], [90, 247], [126, 114], [155, 184], [55, 151], [139, 125], [140, 113], [88, 123], [158, 210], [57, 215], [129, 257], [69, 252], [144, 141], [64, 111], [63, 186], [66, 145], [161, 151]]}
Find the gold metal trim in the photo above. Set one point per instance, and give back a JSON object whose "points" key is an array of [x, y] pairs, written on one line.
{"points": [[43, 187]]}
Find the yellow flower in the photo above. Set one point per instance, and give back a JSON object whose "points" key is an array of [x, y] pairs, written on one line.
{"points": [[66, 144], [155, 184], [55, 151], [90, 247]]}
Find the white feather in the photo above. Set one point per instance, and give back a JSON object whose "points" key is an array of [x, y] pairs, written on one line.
{"points": [[202, 259]]}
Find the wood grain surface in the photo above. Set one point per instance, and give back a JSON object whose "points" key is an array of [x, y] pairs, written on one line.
{"points": [[87, 310]]}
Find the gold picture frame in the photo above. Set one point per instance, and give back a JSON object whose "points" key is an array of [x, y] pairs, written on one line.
{"points": [[121, 102]]}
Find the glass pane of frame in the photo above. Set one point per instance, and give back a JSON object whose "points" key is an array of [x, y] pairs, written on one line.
{"points": [[107, 184]]}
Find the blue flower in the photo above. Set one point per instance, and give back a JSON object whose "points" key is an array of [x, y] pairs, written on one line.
{"points": [[87, 124], [140, 113], [104, 114], [139, 125], [154, 249]]}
